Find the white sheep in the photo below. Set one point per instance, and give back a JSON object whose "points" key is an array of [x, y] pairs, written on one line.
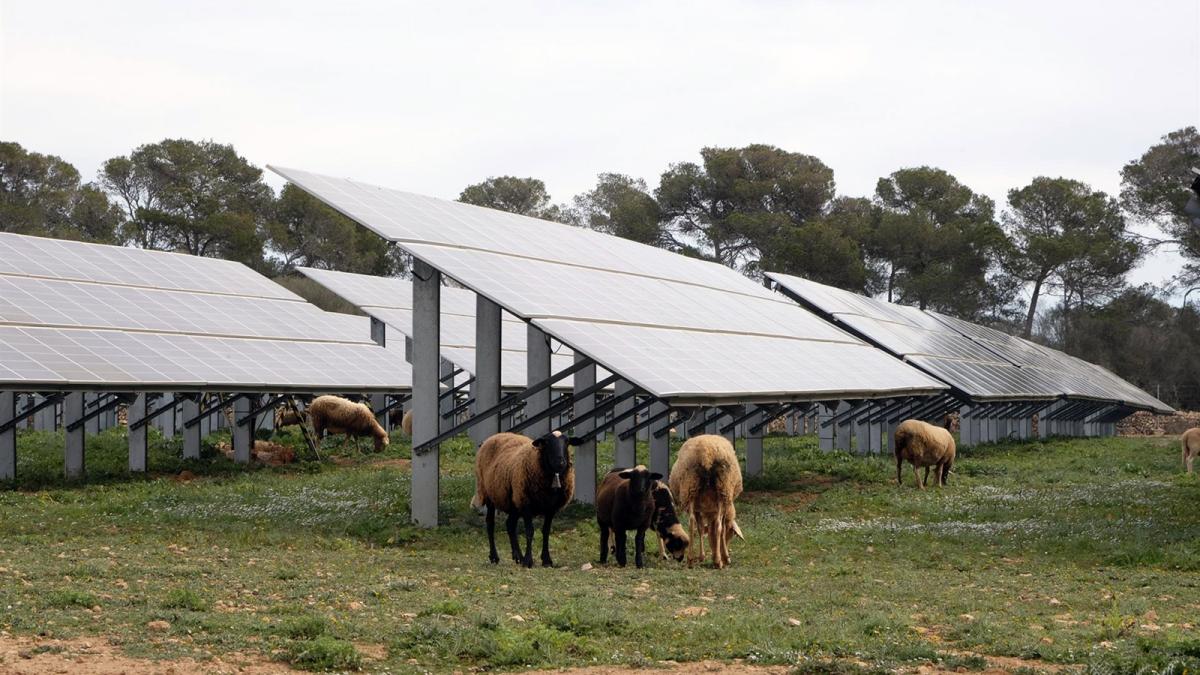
{"points": [[706, 479]]}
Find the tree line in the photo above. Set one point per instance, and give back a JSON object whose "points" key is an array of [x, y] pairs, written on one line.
{"points": [[922, 238]]}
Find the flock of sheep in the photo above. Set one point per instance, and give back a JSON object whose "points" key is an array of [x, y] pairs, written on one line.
{"points": [[531, 477]]}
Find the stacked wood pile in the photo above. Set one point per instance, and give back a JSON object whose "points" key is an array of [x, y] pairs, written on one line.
{"points": [[1149, 424]]}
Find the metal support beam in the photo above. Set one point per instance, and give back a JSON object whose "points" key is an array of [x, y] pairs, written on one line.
{"points": [[585, 453], [191, 434], [136, 412], [660, 446], [825, 413], [841, 431], [73, 422], [617, 419], [537, 364], [8, 437], [625, 448], [754, 443], [427, 337], [243, 428]]}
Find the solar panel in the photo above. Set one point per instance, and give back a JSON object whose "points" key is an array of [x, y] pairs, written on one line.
{"points": [[984, 363], [675, 326], [389, 300], [76, 315]]}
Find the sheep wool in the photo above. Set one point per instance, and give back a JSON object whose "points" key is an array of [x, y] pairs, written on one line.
{"points": [[706, 479], [406, 422], [508, 474], [1190, 440], [341, 416], [924, 445]]}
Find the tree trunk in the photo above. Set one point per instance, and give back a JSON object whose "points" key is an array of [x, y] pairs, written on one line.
{"points": [[1033, 301]]}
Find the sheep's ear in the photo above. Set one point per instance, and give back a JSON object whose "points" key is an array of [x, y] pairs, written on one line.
{"points": [[572, 440], [539, 443], [627, 474], [656, 476]]}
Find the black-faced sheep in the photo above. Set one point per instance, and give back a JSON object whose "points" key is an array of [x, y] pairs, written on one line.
{"points": [[706, 478], [927, 445], [340, 416], [1190, 440], [524, 478], [671, 536], [625, 501]]}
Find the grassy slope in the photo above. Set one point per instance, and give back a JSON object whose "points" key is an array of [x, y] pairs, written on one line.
{"points": [[1068, 551]]}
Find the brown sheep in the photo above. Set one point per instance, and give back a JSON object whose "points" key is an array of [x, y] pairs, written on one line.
{"points": [[706, 479], [625, 501], [927, 445], [1190, 440], [524, 478], [671, 536], [406, 422], [340, 416]]}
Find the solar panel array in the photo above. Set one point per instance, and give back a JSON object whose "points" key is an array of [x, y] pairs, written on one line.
{"points": [[389, 300], [984, 363], [77, 315], [679, 328]]}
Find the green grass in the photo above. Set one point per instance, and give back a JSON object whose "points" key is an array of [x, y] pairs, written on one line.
{"points": [[1060, 552]]}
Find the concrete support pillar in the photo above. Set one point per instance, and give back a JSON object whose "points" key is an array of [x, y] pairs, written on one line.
{"points": [[789, 423], [243, 431], [625, 451], [732, 434], [754, 446], [137, 437], [537, 361], [166, 421], [876, 443], [73, 405], [427, 337], [92, 426], [378, 403], [862, 436], [486, 388], [445, 404], [841, 434], [660, 447], [191, 435], [8, 439], [585, 454], [825, 433]]}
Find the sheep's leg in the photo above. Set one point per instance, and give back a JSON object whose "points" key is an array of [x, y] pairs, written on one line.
{"points": [[714, 541], [926, 481], [917, 477], [697, 536], [621, 539], [511, 525], [639, 547], [1189, 458], [493, 556], [528, 560], [899, 468], [662, 547], [546, 561], [945, 472], [603, 544]]}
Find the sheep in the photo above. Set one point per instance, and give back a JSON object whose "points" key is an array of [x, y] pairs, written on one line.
{"points": [[340, 416], [706, 478], [625, 501], [1191, 447], [927, 445], [288, 417], [406, 422], [523, 477], [665, 522]]}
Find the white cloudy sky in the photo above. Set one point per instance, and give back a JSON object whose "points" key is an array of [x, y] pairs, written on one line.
{"points": [[431, 96]]}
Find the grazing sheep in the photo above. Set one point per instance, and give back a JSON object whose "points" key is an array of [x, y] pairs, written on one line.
{"points": [[927, 445], [523, 477], [625, 501], [340, 416], [406, 422], [706, 478], [665, 522], [1191, 447]]}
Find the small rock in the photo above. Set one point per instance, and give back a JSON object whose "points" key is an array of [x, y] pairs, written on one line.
{"points": [[356, 606], [586, 566], [967, 617], [1055, 601], [691, 612], [96, 609], [517, 617], [159, 626], [795, 622]]}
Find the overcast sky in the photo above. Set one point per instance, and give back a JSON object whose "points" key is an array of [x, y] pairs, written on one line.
{"points": [[432, 96]]}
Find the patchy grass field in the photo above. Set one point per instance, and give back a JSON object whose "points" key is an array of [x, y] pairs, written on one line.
{"points": [[1083, 553]]}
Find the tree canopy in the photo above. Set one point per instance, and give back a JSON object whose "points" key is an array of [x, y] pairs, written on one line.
{"points": [[43, 195], [1155, 189], [526, 196], [306, 232]]}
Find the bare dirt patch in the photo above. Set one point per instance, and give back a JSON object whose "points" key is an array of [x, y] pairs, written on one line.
{"points": [[31, 656], [736, 667]]}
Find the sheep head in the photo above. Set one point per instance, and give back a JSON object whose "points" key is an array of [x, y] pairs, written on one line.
{"points": [[381, 441], [640, 479], [554, 452]]}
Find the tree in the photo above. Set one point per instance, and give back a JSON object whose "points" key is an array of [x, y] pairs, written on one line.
{"points": [[43, 195], [622, 206], [194, 197], [306, 232], [735, 205], [1068, 236], [526, 196], [828, 249], [1154, 188], [937, 242]]}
